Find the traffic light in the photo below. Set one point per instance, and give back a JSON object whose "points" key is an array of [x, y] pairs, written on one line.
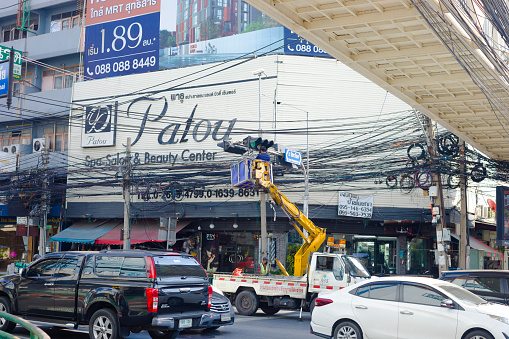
{"points": [[254, 143], [228, 147]]}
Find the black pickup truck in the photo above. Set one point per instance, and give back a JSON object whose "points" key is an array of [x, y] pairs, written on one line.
{"points": [[113, 292]]}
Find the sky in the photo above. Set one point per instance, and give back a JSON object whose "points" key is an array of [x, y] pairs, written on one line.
{"points": [[169, 14]]}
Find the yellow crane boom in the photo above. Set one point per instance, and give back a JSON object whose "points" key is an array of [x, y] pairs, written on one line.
{"points": [[261, 174]]}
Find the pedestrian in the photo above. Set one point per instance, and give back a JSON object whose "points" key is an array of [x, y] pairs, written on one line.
{"points": [[264, 267], [263, 154]]}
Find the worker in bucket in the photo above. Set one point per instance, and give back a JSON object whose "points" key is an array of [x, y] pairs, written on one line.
{"points": [[264, 267], [263, 154]]}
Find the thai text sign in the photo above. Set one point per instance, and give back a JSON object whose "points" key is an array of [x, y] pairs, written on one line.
{"points": [[351, 205], [4, 55], [99, 11]]}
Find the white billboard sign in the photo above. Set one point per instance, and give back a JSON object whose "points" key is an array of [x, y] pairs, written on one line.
{"points": [[351, 205]]}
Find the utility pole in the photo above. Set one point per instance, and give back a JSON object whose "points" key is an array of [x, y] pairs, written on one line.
{"points": [[44, 197], [127, 197], [263, 195], [463, 250], [306, 171], [438, 201]]}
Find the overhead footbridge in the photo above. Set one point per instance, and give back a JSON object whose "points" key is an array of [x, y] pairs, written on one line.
{"points": [[440, 57]]}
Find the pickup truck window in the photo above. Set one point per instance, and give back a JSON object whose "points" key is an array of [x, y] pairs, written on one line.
{"points": [[45, 268], [67, 266], [108, 265], [133, 267], [178, 266]]}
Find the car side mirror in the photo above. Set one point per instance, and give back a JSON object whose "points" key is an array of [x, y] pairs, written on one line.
{"points": [[448, 303], [23, 272]]}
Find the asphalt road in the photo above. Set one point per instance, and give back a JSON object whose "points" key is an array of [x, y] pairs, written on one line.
{"points": [[285, 324]]}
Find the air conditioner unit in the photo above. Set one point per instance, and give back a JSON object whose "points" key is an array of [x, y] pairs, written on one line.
{"points": [[20, 148], [38, 144], [6, 149]]}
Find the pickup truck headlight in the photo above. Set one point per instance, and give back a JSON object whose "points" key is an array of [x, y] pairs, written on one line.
{"points": [[9, 285], [502, 319]]}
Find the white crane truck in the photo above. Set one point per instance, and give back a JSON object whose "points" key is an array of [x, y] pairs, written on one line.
{"points": [[314, 272]]}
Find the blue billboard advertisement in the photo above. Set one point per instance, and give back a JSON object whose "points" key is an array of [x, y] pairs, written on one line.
{"points": [[4, 78], [295, 45], [122, 47]]}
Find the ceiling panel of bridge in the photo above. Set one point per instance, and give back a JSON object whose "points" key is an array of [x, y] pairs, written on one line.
{"points": [[390, 43]]}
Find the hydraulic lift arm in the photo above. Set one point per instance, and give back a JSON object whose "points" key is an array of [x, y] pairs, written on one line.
{"points": [[316, 234]]}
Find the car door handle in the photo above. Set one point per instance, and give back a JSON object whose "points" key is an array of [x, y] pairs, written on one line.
{"points": [[362, 307], [407, 312], [48, 284]]}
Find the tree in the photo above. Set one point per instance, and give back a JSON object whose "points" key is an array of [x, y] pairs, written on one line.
{"points": [[209, 30], [164, 36], [172, 41], [264, 22]]}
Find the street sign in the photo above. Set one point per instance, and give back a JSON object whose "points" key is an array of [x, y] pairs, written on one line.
{"points": [[4, 55], [4, 78], [293, 157]]}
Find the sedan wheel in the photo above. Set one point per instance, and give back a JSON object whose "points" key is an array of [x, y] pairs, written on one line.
{"points": [[479, 334], [347, 330]]}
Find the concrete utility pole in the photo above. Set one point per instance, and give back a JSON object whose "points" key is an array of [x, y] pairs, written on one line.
{"points": [[464, 252], [127, 197], [44, 197], [438, 201]]}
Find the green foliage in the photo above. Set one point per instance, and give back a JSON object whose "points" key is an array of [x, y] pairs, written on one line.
{"points": [[290, 258], [209, 30], [163, 38], [264, 22]]}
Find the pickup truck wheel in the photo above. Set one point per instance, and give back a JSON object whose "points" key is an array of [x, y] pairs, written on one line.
{"points": [[163, 334], [270, 310], [103, 325], [5, 306], [246, 303]]}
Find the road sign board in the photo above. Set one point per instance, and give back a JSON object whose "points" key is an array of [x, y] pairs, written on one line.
{"points": [[4, 55], [4, 78], [293, 157]]}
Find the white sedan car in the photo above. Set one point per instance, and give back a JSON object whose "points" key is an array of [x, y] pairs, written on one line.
{"points": [[407, 308]]}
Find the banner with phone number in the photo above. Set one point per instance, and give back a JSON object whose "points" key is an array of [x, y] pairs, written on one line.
{"points": [[295, 45], [122, 47]]}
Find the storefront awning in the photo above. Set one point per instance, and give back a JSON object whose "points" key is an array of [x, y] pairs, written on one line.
{"points": [[488, 251], [86, 232], [142, 231]]}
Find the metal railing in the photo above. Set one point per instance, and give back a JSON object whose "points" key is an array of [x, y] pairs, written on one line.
{"points": [[35, 332]]}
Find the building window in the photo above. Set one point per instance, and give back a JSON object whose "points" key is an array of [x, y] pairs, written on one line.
{"points": [[52, 79], [19, 85], [219, 14], [62, 21], [10, 32], [57, 137]]}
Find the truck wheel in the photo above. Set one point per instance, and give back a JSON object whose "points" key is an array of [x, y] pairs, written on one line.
{"points": [[5, 306], [167, 334], [246, 303], [103, 325], [270, 310], [312, 305]]}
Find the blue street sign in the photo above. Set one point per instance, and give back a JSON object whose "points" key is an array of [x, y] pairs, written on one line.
{"points": [[296, 45], [122, 47], [293, 157], [4, 78]]}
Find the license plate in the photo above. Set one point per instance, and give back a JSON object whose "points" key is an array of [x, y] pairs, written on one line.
{"points": [[185, 323], [226, 317]]}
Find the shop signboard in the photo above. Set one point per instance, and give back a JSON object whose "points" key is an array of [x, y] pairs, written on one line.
{"points": [[502, 214], [4, 56], [351, 205]]}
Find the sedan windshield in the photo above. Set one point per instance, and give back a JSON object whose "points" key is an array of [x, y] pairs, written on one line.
{"points": [[355, 267], [462, 294]]}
